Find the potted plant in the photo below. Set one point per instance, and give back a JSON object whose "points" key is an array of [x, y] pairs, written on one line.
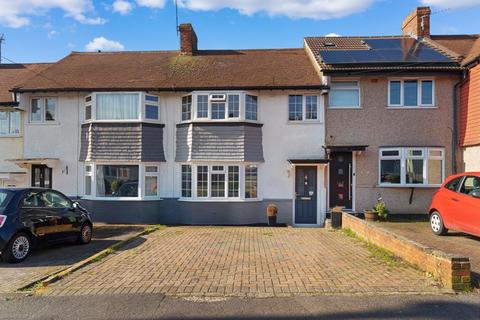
{"points": [[380, 208], [272, 211], [370, 215]]}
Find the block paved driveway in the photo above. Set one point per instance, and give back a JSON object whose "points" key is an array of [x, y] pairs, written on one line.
{"points": [[244, 262]]}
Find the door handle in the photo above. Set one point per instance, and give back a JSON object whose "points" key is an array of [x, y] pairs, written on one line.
{"points": [[455, 199], [306, 198]]}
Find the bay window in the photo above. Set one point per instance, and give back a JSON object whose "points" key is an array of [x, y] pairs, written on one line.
{"points": [[303, 108], [413, 166], [202, 106], [251, 105], [9, 123], [344, 94], [219, 181], [186, 108], [411, 93], [43, 110]]}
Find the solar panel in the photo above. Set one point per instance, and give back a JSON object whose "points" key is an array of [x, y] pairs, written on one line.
{"points": [[399, 50]]}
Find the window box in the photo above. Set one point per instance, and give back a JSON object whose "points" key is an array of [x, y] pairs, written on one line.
{"points": [[411, 93]]}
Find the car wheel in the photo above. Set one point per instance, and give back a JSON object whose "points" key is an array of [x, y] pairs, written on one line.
{"points": [[85, 235], [436, 224], [18, 248]]}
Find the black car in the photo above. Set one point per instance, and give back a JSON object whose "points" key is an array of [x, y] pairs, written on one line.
{"points": [[30, 216]]}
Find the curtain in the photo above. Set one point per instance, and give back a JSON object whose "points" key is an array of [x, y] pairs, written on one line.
{"points": [[4, 130], [117, 106], [100, 182]]}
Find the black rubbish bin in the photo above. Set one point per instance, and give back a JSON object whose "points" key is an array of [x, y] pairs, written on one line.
{"points": [[336, 216]]}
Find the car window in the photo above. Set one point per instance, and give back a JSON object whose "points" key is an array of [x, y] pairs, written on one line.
{"points": [[471, 185], [453, 185], [32, 200], [5, 197], [55, 200]]}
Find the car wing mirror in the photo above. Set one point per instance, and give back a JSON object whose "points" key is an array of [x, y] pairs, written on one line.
{"points": [[75, 205]]}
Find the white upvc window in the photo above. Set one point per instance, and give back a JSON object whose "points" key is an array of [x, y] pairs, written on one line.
{"points": [[121, 106], [127, 181], [43, 110], [224, 181], [344, 94], [411, 93], [10, 123], [219, 106], [411, 166], [303, 107]]}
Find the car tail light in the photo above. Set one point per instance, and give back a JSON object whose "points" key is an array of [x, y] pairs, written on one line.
{"points": [[2, 220]]}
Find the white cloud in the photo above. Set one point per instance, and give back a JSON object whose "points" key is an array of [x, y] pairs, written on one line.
{"points": [[313, 9], [17, 13], [123, 7], [332, 34], [451, 4], [158, 4], [103, 44], [51, 34]]}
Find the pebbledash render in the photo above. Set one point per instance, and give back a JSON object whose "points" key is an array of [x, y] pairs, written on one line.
{"points": [[180, 137]]}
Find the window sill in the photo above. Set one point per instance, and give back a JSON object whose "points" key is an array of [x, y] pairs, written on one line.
{"points": [[407, 186], [345, 108], [411, 107], [304, 122], [232, 120], [11, 136], [121, 198], [219, 200], [53, 123]]}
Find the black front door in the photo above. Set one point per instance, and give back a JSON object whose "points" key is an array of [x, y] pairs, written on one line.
{"points": [[306, 195], [41, 176], [341, 177]]}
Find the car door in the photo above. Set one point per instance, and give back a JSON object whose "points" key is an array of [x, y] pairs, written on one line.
{"points": [[62, 214], [469, 205], [448, 202], [33, 214]]}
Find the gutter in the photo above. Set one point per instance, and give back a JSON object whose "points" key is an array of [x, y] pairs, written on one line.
{"points": [[455, 142]]}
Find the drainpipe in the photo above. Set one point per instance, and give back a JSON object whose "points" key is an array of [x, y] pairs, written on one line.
{"points": [[456, 93]]}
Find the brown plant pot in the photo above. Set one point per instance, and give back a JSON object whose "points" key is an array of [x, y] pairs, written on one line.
{"points": [[370, 215]]}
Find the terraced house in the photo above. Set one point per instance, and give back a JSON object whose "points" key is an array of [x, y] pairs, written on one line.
{"points": [[189, 136]]}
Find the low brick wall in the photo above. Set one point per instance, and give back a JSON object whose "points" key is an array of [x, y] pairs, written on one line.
{"points": [[451, 270]]}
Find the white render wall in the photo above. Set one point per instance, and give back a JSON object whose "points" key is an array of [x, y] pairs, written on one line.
{"points": [[471, 158], [282, 140], [12, 148]]}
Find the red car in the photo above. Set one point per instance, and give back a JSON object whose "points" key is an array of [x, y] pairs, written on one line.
{"points": [[456, 205]]}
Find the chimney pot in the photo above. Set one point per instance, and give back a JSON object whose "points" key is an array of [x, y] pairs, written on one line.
{"points": [[417, 23], [188, 39]]}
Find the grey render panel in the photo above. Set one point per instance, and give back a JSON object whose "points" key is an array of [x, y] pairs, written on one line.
{"points": [[219, 141], [122, 141], [172, 211]]}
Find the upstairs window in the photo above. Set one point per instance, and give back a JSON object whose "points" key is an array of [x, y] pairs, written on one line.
{"points": [[117, 106], [303, 108], [202, 106], [233, 106], [251, 105], [186, 108], [411, 93], [152, 107], [43, 110], [9, 123], [344, 94]]}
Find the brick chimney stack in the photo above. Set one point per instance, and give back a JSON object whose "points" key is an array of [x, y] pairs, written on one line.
{"points": [[188, 39], [417, 24]]}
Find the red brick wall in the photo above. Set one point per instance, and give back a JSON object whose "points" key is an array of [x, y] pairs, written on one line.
{"points": [[469, 128]]}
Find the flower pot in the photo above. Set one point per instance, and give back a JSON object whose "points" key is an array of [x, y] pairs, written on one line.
{"points": [[272, 220], [370, 215]]}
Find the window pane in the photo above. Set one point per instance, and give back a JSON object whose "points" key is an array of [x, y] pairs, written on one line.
{"points": [[88, 112], [117, 106], [390, 153], [395, 92], [151, 98], [9, 122], [295, 108], [202, 106], [4, 123], [427, 92], [410, 93], [251, 181], [435, 171], [414, 171], [344, 98], [436, 153], [50, 109], [151, 187], [233, 181], [233, 106], [54, 200], [186, 108], [151, 112], [36, 110], [218, 110], [117, 181], [88, 185], [453, 185], [151, 169], [218, 185], [251, 106], [470, 186], [311, 107], [202, 181], [186, 181], [415, 153], [390, 171]]}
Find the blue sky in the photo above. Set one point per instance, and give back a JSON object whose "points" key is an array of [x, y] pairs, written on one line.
{"points": [[48, 30]]}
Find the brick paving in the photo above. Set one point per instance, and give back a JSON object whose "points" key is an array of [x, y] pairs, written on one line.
{"points": [[244, 262], [453, 242]]}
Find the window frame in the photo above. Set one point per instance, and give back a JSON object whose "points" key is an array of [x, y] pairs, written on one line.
{"points": [[142, 174], [403, 157], [43, 120], [9, 134], [226, 170], [304, 108], [419, 105], [357, 87]]}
